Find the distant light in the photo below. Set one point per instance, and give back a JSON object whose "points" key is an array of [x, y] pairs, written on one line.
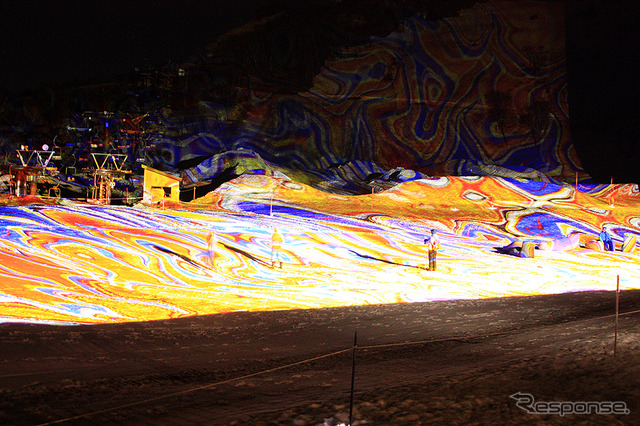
{"points": [[45, 147]]}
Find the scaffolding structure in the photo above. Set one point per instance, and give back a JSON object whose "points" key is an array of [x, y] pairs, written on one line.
{"points": [[33, 168], [108, 169]]}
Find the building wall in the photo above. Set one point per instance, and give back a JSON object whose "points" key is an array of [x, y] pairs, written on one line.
{"points": [[159, 186]]}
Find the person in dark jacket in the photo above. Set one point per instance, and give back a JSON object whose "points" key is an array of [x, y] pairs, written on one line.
{"points": [[606, 240]]}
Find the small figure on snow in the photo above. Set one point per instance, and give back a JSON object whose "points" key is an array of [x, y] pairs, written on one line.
{"points": [[212, 244], [276, 248], [433, 244]]}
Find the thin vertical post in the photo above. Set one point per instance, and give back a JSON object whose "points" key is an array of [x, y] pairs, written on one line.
{"points": [[613, 198], [615, 338], [353, 376], [212, 246], [576, 182], [271, 201]]}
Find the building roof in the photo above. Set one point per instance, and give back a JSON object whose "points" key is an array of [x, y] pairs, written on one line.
{"points": [[160, 172]]}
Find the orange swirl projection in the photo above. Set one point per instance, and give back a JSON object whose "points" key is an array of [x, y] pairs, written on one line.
{"points": [[92, 264]]}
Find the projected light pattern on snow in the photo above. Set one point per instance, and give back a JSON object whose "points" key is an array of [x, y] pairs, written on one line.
{"points": [[90, 264], [462, 96]]}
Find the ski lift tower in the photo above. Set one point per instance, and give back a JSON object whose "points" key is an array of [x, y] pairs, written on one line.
{"points": [[31, 171], [108, 169]]}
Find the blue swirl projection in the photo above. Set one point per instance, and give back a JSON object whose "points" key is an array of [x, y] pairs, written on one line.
{"points": [[482, 93]]}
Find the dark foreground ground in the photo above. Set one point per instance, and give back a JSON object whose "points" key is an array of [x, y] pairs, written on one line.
{"points": [[423, 363]]}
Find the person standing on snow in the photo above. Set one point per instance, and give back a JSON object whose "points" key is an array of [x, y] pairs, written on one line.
{"points": [[433, 244], [212, 245], [606, 239], [276, 248]]}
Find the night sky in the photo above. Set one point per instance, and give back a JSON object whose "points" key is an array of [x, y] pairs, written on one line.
{"points": [[56, 42], [603, 69]]}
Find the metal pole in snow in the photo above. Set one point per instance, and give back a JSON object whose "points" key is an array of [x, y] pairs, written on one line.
{"points": [[612, 192], [615, 338], [353, 375], [271, 201]]}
